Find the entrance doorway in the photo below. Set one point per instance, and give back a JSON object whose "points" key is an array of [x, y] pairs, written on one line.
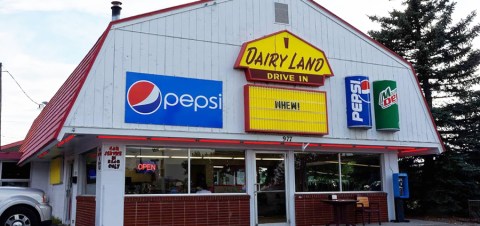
{"points": [[271, 205], [68, 191]]}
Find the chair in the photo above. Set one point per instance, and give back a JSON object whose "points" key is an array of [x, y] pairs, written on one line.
{"points": [[365, 206]]}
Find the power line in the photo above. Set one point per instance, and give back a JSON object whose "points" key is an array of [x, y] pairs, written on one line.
{"points": [[39, 105]]}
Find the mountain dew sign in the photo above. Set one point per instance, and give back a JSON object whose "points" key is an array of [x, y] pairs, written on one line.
{"points": [[386, 105]]}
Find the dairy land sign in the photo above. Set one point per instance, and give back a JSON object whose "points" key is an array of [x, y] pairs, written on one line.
{"points": [[283, 58]]}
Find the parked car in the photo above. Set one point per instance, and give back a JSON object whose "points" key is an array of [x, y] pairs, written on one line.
{"points": [[24, 207]]}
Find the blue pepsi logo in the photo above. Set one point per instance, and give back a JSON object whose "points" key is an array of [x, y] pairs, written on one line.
{"points": [[144, 97]]}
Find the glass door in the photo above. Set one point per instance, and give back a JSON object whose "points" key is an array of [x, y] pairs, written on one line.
{"points": [[270, 190]]}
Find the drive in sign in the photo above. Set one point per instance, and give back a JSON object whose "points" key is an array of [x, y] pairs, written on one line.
{"points": [[283, 57]]}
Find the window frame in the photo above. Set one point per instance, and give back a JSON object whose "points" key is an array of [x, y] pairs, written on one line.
{"points": [[189, 180], [339, 157], [28, 181]]}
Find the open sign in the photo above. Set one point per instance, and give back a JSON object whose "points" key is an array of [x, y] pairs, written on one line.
{"points": [[146, 167]]}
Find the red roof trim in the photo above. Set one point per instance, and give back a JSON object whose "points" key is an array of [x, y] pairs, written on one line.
{"points": [[394, 54], [7, 156], [11, 145], [47, 126], [158, 11]]}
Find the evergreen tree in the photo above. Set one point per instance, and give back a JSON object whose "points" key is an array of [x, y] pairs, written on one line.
{"points": [[447, 66]]}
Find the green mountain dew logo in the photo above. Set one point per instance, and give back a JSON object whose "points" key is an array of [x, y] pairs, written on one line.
{"points": [[387, 97]]}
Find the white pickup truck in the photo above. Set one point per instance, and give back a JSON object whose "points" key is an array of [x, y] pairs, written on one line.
{"points": [[24, 207]]}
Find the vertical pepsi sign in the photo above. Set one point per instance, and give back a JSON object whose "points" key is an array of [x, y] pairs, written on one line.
{"points": [[358, 102], [176, 101]]}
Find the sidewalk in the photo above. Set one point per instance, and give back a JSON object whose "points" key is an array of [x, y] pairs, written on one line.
{"points": [[420, 223]]}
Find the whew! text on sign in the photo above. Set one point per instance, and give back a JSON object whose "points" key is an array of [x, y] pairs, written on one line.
{"points": [[278, 110], [283, 58]]}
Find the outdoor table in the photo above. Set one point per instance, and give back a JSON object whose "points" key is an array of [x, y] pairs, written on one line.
{"points": [[340, 210]]}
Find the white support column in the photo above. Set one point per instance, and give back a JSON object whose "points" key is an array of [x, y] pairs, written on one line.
{"points": [[290, 190], [390, 163], [250, 173], [110, 185], [75, 190]]}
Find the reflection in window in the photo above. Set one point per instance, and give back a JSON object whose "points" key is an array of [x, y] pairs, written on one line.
{"points": [[320, 172], [151, 170], [90, 172], [10, 170], [14, 175], [361, 172], [316, 172], [156, 171], [217, 171]]}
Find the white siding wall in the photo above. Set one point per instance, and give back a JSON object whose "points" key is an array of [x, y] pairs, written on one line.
{"points": [[203, 41], [56, 195], [40, 175]]}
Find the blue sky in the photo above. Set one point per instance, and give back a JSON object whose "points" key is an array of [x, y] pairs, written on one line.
{"points": [[41, 43]]}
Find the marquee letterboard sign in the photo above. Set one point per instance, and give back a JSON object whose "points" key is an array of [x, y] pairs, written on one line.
{"points": [[283, 57], [279, 110]]}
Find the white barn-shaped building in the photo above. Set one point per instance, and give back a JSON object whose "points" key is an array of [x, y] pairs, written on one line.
{"points": [[229, 112]]}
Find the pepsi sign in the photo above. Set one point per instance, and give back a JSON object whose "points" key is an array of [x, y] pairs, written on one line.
{"points": [[358, 102], [176, 101]]}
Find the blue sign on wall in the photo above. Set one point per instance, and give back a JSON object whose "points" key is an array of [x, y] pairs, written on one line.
{"points": [[358, 102], [176, 101]]}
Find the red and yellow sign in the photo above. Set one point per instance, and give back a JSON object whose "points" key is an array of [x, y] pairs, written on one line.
{"points": [[279, 110], [283, 58]]}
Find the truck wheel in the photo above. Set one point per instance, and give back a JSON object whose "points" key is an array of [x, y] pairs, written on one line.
{"points": [[19, 216]]}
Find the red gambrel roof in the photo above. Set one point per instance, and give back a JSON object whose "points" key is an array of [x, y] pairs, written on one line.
{"points": [[11, 146], [9, 152], [46, 127]]}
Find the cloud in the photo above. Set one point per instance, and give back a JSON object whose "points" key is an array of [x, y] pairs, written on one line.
{"points": [[41, 45], [40, 78], [16, 6]]}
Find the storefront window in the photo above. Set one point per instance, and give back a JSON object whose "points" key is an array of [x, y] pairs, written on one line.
{"points": [[361, 172], [317, 172], [14, 175], [151, 170], [91, 172], [217, 171]]}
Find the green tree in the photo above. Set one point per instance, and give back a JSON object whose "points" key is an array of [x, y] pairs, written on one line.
{"points": [[447, 66]]}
